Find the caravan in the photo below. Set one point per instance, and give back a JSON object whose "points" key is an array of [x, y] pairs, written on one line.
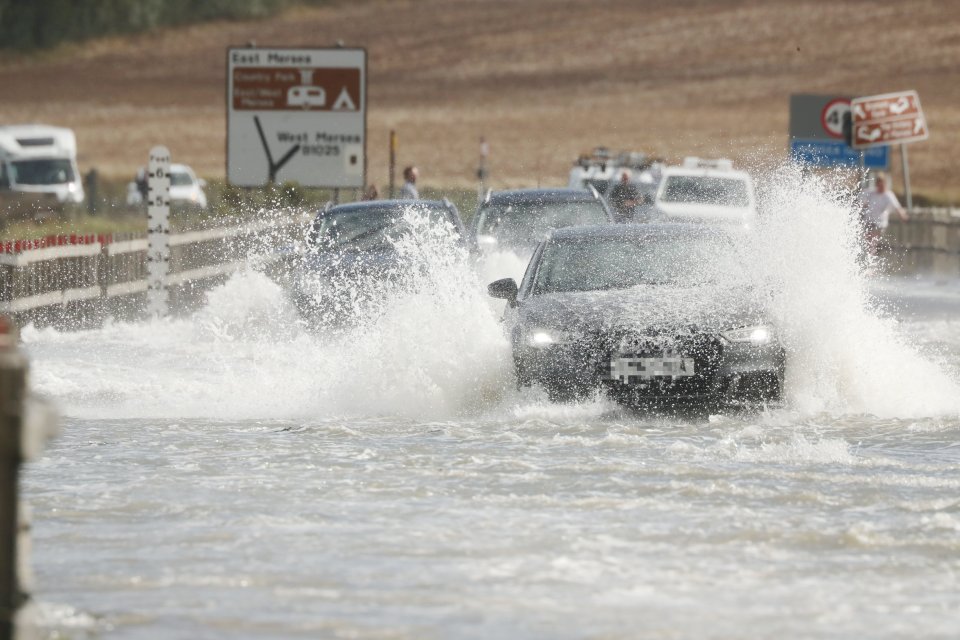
{"points": [[41, 160]]}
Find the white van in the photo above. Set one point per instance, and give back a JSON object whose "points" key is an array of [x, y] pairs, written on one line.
{"points": [[40, 159]]}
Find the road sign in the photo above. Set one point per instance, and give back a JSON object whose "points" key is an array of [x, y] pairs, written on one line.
{"points": [[297, 115], [831, 117], [836, 152], [816, 133], [817, 117], [891, 118]]}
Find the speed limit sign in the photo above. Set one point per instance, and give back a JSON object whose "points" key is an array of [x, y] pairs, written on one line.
{"points": [[832, 117]]}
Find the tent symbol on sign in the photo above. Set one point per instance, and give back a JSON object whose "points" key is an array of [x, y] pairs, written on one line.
{"points": [[344, 102]]}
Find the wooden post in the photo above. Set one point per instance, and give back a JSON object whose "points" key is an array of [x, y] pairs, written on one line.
{"points": [[24, 427], [12, 378], [393, 163]]}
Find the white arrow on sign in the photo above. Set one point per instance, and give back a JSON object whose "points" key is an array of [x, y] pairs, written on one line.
{"points": [[900, 105], [868, 134]]}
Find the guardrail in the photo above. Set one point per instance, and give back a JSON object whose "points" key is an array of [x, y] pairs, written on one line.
{"points": [[927, 243], [84, 279]]}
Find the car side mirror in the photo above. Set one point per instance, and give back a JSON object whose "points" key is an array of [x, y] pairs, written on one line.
{"points": [[202, 183], [505, 289]]}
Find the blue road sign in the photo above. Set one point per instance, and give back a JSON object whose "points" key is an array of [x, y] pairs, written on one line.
{"points": [[829, 153]]}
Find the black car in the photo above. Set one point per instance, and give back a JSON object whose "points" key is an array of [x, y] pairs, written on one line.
{"points": [[519, 219], [655, 314], [356, 253]]}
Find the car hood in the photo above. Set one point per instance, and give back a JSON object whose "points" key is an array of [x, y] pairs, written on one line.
{"points": [[705, 212], [379, 260], [645, 308]]}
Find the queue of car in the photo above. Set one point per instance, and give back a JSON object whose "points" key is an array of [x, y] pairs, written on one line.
{"points": [[660, 314]]}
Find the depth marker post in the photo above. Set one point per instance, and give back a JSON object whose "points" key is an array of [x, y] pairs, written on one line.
{"points": [[158, 231]]}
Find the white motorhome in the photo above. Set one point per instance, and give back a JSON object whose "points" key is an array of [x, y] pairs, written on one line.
{"points": [[40, 159]]}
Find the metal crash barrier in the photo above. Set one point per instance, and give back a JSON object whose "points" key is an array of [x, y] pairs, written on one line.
{"points": [[26, 424]]}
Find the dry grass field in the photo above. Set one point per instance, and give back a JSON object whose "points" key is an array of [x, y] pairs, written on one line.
{"points": [[543, 80]]}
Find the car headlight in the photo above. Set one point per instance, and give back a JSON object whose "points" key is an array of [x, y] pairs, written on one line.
{"points": [[757, 334], [541, 338]]}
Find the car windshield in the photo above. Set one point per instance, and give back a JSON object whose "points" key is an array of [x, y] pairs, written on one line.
{"points": [[600, 263], [529, 222], [180, 179], [371, 227], [711, 190], [41, 172]]}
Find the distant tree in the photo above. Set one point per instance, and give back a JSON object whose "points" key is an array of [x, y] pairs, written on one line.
{"points": [[41, 24]]}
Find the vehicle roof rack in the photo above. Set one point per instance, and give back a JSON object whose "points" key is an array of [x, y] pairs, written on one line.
{"points": [[693, 162]]}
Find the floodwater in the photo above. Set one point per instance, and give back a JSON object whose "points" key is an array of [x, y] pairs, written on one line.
{"points": [[231, 475]]}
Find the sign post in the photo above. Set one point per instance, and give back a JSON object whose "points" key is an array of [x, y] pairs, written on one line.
{"points": [[297, 115], [905, 165], [482, 166], [393, 161], [886, 119]]}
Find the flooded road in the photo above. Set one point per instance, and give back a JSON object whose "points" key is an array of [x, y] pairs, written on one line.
{"points": [[230, 475]]}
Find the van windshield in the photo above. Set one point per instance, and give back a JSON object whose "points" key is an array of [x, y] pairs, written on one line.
{"points": [[41, 172]]}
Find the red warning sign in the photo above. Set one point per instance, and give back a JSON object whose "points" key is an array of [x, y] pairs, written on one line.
{"points": [[296, 89]]}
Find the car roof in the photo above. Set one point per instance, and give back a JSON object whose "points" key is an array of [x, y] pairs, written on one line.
{"points": [[541, 195], [637, 231]]}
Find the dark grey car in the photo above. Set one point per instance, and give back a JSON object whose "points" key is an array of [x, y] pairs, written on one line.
{"points": [[354, 254], [656, 314], [519, 219]]}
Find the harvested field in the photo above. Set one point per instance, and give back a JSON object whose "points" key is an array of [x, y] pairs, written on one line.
{"points": [[543, 80]]}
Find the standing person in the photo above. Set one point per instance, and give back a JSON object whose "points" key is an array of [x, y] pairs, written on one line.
{"points": [[409, 190], [624, 197], [877, 205]]}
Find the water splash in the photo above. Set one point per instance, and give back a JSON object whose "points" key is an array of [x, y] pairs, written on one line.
{"points": [[845, 355], [430, 347], [434, 347]]}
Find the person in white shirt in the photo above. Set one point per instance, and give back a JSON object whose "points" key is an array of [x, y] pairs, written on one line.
{"points": [[409, 189], [877, 205]]}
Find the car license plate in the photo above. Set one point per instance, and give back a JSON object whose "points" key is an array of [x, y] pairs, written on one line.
{"points": [[624, 368]]}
